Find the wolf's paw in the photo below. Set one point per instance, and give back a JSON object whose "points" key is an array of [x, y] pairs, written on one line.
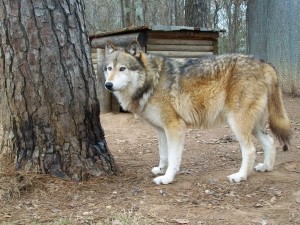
{"points": [[162, 180], [157, 170], [237, 177], [261, 167]]}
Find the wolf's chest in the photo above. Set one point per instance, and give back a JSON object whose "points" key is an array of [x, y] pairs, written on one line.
{"points": [[152, 114]]}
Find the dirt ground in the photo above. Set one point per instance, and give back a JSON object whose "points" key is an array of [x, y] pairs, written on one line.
{"points": [[201, 193]]}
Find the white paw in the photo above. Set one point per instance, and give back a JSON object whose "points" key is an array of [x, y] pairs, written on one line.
{"points": [[162, 180], [157, 170], [237, 177], [261, 167]]}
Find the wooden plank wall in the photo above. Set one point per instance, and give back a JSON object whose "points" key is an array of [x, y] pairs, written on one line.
{"points": [[178, 48]]}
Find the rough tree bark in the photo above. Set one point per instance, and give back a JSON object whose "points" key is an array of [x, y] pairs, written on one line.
{"points": [[49, 105]]}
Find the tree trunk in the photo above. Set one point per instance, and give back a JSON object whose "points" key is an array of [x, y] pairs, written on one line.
{"points": [[139, 13], [196, 13], [145, 10], [234, 17], [215, 19], [175, 13], [49, 105], [274, 35], [128, 12], [122, 13]]}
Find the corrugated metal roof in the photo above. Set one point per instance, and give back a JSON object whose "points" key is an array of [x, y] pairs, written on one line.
{"points": [[152, 28]]}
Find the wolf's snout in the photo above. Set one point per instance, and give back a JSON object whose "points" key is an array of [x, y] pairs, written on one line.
{"points": [[109, 86]]}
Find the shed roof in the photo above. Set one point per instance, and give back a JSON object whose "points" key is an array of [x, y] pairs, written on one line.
{"points": [[152, 28]]}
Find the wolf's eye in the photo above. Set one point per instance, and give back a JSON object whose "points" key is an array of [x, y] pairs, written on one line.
{"points": [[122, 68], [109, 68]]}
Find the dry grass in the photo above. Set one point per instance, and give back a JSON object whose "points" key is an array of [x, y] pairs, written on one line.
{"points": [[127, 218], [14, 184]]}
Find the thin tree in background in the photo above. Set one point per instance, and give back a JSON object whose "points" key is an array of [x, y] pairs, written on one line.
{"points": [[122, 13], [175, 13], [50, 111], [132, 12], [215, 15], [128, 12], [139, 14], [235, 18]]}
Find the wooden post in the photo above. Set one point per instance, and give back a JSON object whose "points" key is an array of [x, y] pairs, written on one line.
{"points": [[103, 94]]}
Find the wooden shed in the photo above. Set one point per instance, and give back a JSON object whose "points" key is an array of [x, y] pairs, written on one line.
{"points": [[169, 41]]}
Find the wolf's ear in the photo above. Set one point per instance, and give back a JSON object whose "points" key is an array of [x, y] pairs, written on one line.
{"points": [[134, 48], [109, 47]]}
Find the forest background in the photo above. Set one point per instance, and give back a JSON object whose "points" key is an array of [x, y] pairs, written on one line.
{"points": [[229, 15]]}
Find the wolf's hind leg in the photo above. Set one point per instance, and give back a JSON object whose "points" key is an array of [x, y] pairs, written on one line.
{"points": [[163, 153], [269, 151], [175, 134], [242, 131]]}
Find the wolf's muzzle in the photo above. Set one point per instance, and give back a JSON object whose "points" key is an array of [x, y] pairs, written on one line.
{"points": [[109, 86]]}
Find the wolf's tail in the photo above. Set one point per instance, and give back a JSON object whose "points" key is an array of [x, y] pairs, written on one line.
{"points": [[278, 119]]}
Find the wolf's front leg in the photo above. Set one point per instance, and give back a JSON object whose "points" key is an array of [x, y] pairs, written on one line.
{"points": [[175, 134], [248, 159], [163, 153]]}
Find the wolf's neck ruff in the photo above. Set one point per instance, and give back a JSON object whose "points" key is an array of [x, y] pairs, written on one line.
{"points": [[134, 102], [139, 93]]}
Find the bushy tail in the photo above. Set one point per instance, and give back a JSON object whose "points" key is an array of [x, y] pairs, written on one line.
{"points": [[278, 119]]}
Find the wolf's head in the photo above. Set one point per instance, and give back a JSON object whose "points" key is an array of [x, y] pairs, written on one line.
{"points": [[123, 67]]}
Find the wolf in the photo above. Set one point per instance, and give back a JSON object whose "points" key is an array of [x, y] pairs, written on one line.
{"points": [[173, 95]]}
